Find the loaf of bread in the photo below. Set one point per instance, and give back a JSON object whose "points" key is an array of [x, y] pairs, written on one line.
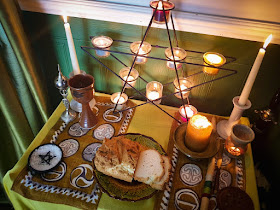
{"points": [[117, 157], [126, 160]]}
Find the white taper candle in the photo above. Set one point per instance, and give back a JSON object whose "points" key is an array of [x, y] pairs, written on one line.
{"points": [[253, 73], [71, 46]]}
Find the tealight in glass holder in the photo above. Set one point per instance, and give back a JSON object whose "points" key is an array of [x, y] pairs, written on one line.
{"points": [[143, 51], [154, 91], [184, 86], [215, 60], [159, 15], [102, 43], [131, 78], [189, 110], [237, 143], [179, 55], [120, 99]]}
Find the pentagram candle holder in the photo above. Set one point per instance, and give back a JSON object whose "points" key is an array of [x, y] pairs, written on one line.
{"points": [[81, 86]]}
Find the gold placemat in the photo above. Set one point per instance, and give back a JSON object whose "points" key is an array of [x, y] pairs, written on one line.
{"points": [[72, 182], [185, 187]]}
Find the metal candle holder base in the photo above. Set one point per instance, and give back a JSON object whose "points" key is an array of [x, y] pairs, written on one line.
{"points": [[224, 126], [68, 116]]}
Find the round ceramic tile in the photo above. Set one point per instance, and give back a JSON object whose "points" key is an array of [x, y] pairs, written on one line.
{"points": [[104, 131], [55, 174], [225, 160], [69, 147], [90, 151], [190, 174], [186, 199], [77, 131], [82, 176], [109, 116], [225, 179]]}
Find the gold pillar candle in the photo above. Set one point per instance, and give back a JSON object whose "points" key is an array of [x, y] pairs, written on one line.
{"points": [[215, 60], [198, 132]]}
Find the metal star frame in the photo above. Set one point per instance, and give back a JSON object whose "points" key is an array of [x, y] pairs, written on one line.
{"points": [[228, 60]]}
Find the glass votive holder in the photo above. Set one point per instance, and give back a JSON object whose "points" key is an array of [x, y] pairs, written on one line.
{"points": [[131, 78], [198, 133], [212, 61], [143, 51], [154, 91], [189, 110], [102, 43], [184, 86], [120, 99], [159, 15], [179, 55], [237, 143]]}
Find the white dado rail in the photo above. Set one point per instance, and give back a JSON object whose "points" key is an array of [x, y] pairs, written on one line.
{"points": [[140, 14]]}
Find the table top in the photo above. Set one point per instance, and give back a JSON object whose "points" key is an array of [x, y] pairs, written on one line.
{"points": [[145, 121]]}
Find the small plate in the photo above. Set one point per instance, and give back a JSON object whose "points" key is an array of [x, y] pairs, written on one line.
{"points": [[211, 150], [45, 158], [123, 190]]}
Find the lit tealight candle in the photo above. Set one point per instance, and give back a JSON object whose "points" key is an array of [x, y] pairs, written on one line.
{"points": [[119, 99], [143, 51], [198, 132], [236, 144], [184, 87], [179, 55], [189, 110], [154, 91], [131, 79], [159, 15], [102, 42], [213, 59]]}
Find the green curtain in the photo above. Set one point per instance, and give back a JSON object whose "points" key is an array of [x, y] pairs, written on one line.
{"points": [[23, 98]]}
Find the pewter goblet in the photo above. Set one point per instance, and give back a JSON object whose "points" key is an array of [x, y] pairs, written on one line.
{"points": [[61, 83], [81, 86]]}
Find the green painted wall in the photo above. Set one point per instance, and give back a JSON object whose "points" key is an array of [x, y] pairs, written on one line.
{"points": [[50, 45]]}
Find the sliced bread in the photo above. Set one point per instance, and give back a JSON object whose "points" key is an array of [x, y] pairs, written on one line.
{"points": [[167, 168], [117, 157], [149, 167]]}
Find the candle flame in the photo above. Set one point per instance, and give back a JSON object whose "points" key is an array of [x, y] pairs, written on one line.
{"points": [[214, 59], [65, 18], [267, 41], [199, 121], [160, 5]]}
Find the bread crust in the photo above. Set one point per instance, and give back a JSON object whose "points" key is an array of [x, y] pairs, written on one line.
{"points": [[117, 157]]}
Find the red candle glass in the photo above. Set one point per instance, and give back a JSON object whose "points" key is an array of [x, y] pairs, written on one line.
{"points": [[159, 15]]}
